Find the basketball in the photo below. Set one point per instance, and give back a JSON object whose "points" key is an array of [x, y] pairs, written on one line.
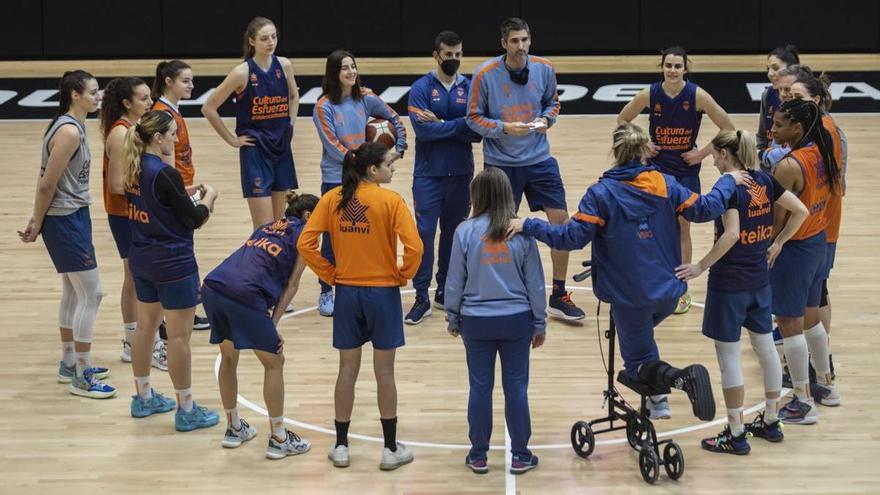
{"points": [[380, 130]]}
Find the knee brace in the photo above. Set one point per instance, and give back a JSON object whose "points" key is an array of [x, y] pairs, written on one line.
{"points": [[89, 294], [771, 369], [729, 361], [67, 307]]}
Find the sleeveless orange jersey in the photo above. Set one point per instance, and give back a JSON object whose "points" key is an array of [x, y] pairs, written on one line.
{"points": [[182, 150], [834, 209], [114, 204], [816, 192]]}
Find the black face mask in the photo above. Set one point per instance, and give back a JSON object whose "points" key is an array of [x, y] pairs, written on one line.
{"points": [[450, 67]]}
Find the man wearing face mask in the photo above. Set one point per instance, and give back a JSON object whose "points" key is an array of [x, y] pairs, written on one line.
{"points": [[512, 103], [444, 164]]}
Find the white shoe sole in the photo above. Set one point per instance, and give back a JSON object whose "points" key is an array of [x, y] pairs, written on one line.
{"points": [[438, 305], [125, 358], [391, 467], [340, 463], [416, 322], [829, 402], [281, 455], [91, 395], [234, 444], [559, 315], [159, 366]]}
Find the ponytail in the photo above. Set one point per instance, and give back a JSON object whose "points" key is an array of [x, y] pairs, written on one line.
{"points": [[72, 80], [166, 69], [629, 143], [354, 168], [137, 138], [740, 145], [807, 114], [112, 108]]}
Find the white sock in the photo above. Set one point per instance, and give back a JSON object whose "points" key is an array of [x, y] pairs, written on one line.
{"points": [[277, 424], [233, 418], [771, 410], [185, 399], [817, 340], [143, 387], [797, 356], [128, 330], [83, 362], [68, 354], [735, 420]]}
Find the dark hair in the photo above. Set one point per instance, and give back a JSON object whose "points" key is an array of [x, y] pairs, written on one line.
{"points": [[809, 116], [354, 168], [447, 38], [513, 24], [72, 80], [331, 86], [170, 68], [299, 204], [817, 86], [788, 54], [492, 195], [255, 25], [116, 91], [675, 50]]}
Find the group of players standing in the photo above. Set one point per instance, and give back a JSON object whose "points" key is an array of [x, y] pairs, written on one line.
{"points": [[775, 233]]}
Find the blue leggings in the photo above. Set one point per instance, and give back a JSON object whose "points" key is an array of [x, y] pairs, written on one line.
{"points": [[635, 332]]}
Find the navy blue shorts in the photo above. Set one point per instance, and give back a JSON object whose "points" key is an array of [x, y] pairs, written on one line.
{"points": [[691, 182], [261, 175], [367, 314], [726, 313], [179, 294], [121, 230], [68, 239], [830, 254], [796, 277], [246, 327], [541, 183]]}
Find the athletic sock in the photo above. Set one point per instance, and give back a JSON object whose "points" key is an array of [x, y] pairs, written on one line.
{"points": [[143, 387], [558, 288], [233, 418], [83, 362], [797, 357], [185, 399], [342, 432], [128, 330], [68, 354], [389, 431], [735, 420], [277, 425], [771, 407], [817, 340]]}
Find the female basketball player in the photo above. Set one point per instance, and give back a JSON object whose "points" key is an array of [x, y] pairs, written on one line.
{"points": [[364, 221], [495, 299], [162, 217], [238, 296], [778, 59], [739, 287], [61, 214], [125, 100], [340, 117], [630, 216], [174, 82], [676, 107], [267, 100], [810, 170]]}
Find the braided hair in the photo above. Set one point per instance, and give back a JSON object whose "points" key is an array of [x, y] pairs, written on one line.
{"points": [[808, 114]]}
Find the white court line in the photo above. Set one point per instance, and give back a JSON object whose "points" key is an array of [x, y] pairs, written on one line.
{"points": [[509, 478], [455, 446]]}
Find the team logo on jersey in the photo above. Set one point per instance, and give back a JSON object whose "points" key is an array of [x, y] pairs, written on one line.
{"points": [[658, 109], [460, 91], [435, 93], [277, 73], [644, 229], [505, 88], [495, 252], [83, 176], [254, 82], [759, 203], [686, 105], [258, 183], [278, 227], [354, 218]]}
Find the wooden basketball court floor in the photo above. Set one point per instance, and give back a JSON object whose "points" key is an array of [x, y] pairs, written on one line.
{"points": [[54, 442]]}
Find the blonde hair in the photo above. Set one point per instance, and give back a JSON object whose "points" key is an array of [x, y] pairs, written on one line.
{"points": [[740, 145], [136, 140], [629, 143]]}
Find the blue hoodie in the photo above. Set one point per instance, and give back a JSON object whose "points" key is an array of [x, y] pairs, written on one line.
{"points": [[630, 214], [493, 278]]}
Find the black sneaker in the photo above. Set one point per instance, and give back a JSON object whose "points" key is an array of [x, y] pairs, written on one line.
{"points": [[439, 299], [786, 377], [563, 307], [694, 380], [759, 429], [420, 310], [201, 323], [726, 443]]}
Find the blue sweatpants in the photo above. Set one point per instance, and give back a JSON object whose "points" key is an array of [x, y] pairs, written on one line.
{"points": [[635, 333], [510, 337], [326, 247], [443, 199]]}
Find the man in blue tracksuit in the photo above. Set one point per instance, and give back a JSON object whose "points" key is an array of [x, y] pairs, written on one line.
{"points": [[630, 215], [444, 164]]}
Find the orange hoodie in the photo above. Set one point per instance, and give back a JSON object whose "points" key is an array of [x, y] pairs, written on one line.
{"points": [[364, 237]]}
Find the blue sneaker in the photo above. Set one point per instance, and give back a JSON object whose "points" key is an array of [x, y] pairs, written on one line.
{"points": [[199, 417], [563, 308], [799, 412], [90, 386], [325, 303], [521, 464], [726, 443], [65, 374], [420, 310], [759, 429], [158, 403]]}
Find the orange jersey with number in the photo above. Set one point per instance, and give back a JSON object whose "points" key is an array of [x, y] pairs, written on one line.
{"points": [[182, 150], [816, 191], [114, 204], [834, 210]]}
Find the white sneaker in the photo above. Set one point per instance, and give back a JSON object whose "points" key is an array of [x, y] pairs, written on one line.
{"points": [[339, 456], [234, 438], [292, 445], [160, 356], [393, 460], [289, 309], [658, 407], [125, 355], [827, 395]]}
